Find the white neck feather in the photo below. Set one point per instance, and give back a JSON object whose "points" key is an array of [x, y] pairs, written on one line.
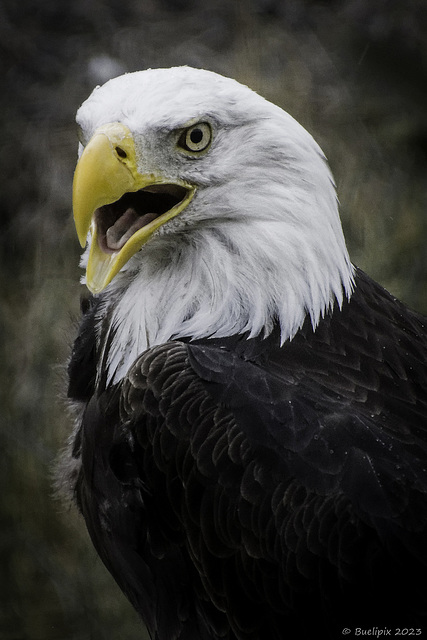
{"points": [[213, 284]]}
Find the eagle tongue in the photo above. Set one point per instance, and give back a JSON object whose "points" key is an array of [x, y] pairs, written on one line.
{"points": [[129, 222]]}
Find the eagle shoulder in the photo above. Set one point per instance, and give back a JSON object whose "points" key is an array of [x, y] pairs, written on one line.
{"points": [[264, 470]]}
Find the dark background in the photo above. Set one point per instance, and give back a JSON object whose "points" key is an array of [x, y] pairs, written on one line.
{"points": [[354, 73]]}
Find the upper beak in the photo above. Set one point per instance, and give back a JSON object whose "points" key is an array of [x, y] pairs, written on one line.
{"points": [[106, 170]]}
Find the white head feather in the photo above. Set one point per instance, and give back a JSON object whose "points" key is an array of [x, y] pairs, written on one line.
{"points": [[261, 241]]}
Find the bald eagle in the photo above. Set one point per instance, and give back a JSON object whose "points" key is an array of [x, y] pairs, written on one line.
{"points": [[250, 443]]}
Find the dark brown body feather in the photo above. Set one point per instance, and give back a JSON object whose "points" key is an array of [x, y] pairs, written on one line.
{"points": [[238, 489]]}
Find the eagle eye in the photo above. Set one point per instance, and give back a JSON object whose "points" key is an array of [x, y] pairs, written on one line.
{"points": [[196, 138]]}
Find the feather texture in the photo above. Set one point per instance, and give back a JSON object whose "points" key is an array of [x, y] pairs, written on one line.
{"points": [[231, 485]]}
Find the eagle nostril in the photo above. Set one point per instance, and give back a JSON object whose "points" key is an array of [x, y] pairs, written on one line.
{"points": [[121, 152]]}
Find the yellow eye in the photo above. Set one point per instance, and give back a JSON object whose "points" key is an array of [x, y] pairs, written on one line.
{"points": [[196, 138]]}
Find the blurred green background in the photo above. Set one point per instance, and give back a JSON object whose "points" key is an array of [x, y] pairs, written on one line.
{"points": [[354, 73]]}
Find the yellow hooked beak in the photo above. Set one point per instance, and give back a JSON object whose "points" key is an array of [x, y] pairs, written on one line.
{"points": [[105, 172]]}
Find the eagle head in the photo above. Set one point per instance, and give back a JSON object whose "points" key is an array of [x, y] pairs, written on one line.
{"points": [[207, 211]]}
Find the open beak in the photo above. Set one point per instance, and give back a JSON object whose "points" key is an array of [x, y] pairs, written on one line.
{"points": [[121, 207]]}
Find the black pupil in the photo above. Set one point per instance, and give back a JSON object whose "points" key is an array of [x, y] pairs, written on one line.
{"points": [[196, 136]]}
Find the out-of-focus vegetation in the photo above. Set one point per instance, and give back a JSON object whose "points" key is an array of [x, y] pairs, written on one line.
{"points": [[353, 72]]}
